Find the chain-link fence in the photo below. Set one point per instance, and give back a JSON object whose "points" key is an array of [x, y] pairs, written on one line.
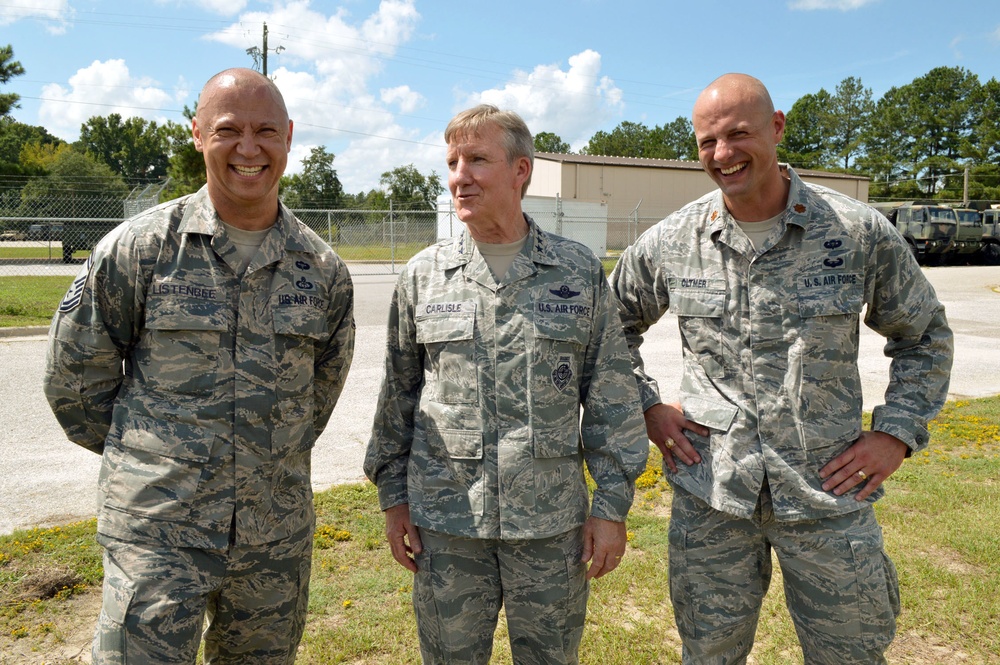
{"points": [[53, 235]]}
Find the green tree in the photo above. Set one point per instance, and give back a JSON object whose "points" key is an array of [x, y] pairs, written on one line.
{"points": [[549, 142], [941, 121], [849, 110], [14, 136], [804, 142], [887, 144], [673, 140], [317, 186], [135, 148], [628, 139], [409, 188], [76, 186], [186, 166], [9, 68]]}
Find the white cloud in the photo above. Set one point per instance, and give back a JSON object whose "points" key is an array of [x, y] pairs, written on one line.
{"points": [[406, 99], [326, 73], [344, 54], [101, 89], [842, 5], [57, 11], [574, 103], [996, 34]]}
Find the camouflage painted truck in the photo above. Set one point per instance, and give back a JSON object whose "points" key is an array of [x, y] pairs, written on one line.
{"points": [[929, 229], [990, 250], [81, 235], [969, 236]]}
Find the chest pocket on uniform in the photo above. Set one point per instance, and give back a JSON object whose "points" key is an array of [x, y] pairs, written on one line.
{"points": [[562, 332], [179, 350], [700, 307], [829, 309], [297, 331], [451, 374]]}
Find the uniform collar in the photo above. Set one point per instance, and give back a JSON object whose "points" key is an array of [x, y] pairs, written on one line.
{"points": [[201, 217], [538, 247], [721, 224]]}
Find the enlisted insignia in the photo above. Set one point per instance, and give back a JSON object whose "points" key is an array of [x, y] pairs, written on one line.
{"points": [[75, 293], [832, 244], [564, 292], [304, 284], [301, 265], [798, 207], [563, 372], [833, 263]]}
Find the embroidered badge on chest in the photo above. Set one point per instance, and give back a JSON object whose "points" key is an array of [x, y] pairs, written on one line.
{"points": [[563, 373]]}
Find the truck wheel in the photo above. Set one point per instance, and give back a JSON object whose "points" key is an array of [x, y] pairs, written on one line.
{"points": [[991, 255], [67, 253]]}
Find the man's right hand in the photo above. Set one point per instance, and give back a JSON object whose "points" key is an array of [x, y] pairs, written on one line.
{"points": [[403, 537], [665, 425]]}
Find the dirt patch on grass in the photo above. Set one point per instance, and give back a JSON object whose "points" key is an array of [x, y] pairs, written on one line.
{"points": [[64, 640], [917, 649]]}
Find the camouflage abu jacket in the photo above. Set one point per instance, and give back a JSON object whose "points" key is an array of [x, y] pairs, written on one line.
{"points": [[770, 342], [226, 382], [478, 423]]}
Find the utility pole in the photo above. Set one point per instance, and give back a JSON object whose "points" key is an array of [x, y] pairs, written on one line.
{"points": [[260, 55]]}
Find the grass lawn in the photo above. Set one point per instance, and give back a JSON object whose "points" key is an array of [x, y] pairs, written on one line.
{"points": [[31, 301], [941, 519]]}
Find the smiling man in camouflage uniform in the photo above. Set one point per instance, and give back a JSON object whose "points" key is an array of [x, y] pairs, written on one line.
{"points": [[201, 351], [768, 278], [496, 340]]}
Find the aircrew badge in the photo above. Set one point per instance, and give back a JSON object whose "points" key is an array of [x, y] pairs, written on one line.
{"points": [[563, 372]]}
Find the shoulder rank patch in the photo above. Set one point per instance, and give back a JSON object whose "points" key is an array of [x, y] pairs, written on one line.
{"points": [[75, 293]]}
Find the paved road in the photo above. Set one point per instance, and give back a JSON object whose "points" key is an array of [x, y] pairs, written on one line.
{"points": [[46, 480]]}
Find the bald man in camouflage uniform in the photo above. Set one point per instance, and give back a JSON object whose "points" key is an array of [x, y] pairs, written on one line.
{"points": [[769, 278], [201, 351], [496, 340]]}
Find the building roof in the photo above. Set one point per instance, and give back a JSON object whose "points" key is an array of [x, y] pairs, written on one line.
{"points": [[610, 160]]}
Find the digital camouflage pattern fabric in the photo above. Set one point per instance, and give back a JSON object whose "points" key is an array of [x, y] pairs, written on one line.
{"points": [[204, 392], [770, 342], [478, 423], [463, 582], [843, 596], [156, 599]]}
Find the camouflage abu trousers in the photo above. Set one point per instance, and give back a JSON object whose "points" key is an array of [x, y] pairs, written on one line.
{"points": [[461, 584], [840, 586], [156, 600]]}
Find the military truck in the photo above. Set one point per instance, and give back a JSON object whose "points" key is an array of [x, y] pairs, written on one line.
{"points": [[82, 235], [929, 229], [969, 237], [990, 250]]}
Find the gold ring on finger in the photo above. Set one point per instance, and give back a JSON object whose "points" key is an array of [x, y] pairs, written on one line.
{"points": [[862, 475], [669, 443]]}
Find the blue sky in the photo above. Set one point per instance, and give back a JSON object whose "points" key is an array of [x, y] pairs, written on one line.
{"points": [[376, 82]]}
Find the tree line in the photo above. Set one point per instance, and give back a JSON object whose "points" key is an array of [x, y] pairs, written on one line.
{"points": [[916, 141]]}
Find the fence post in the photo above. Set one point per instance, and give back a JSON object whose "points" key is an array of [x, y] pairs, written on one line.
{"points": [[392, 241]]}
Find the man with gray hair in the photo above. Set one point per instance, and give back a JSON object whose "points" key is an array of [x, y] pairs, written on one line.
{"points": [[497, 338], [768, 278], [201, 351]]}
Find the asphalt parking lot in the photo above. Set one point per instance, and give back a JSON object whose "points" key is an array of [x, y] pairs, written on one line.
{"points": [[46, 480]]}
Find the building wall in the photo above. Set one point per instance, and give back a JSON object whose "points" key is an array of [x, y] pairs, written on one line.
{"points": [[658, 191]]}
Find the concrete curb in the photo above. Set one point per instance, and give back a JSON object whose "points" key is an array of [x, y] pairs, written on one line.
{"points": [[25, 331]]}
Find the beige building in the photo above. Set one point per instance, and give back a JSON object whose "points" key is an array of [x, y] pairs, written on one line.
{"points": [[639, 192]]}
